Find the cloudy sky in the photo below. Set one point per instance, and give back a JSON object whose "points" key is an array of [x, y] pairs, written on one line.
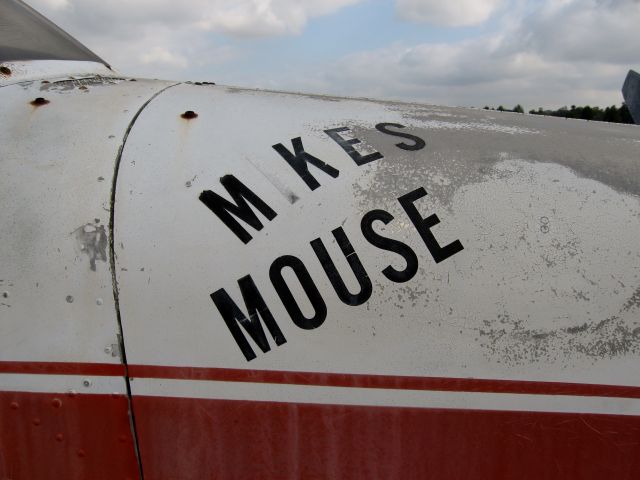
{"points": [[545, 53]]}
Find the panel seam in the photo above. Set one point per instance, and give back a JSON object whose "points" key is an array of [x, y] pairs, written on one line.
{"points": [[114, 280]]}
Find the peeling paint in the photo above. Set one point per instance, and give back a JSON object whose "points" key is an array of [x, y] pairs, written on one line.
{"points": [[91, 239], [534, 254], [63, 86]]}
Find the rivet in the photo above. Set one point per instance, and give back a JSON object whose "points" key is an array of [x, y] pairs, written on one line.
{"points": [[59, 437], [98, 301], [189, 114], [115, 395], [5, 70], [82, 453], [86, 382], [39, 101], [122, 438], [56, 403], [69, 298], [36, 421], [107, 350], [72, 393], [14, 405], [5, 294]]}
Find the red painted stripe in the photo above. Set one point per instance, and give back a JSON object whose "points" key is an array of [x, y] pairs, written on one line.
{"points": [[64, 368], [323, 379], [383, 381], [47, 436], [183, 438]]}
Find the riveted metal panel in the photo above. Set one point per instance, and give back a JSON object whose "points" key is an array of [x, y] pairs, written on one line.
{"points": [[58, 161], [515, 357]]}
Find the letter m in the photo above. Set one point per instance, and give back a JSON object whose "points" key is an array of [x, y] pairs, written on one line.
{"points": [[256, 309], [228, 211]]}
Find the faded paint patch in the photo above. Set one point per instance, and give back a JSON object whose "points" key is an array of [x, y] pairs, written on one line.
{"points": [[584, 148], [548, 274], [91, 239]]}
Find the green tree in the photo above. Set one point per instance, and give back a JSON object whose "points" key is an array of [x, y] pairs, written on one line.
{"points": [[587, 113]]}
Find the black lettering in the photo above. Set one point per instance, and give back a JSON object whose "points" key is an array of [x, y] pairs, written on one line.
{"points": [[354, 262], [391, 245], [418, 143], [225, 209], [347, 146], [319, 307], [256, 308], [299, 159], [423, 225]]}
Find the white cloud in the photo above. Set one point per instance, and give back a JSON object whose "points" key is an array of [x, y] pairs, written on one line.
{"points": [[55, 4], [545, 53], [164, 37], [161, 56], [587, 30], [558, 53], [266, 17], [452, 13]]}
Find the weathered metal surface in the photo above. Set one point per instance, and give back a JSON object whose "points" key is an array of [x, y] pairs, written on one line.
{"points": [[65, 435], [546, 287], [52, 71], [58, 161], [542, 303], [63, 394], [507, 332]]}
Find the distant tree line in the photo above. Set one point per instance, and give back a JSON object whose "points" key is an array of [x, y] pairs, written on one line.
{"points": [[609, 114]]}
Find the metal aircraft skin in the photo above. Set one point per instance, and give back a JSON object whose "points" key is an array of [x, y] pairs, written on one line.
{"points": [[201, 281]]}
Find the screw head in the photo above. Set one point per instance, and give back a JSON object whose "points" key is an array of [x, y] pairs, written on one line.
{"points": [[39, 101], [189, 114]]}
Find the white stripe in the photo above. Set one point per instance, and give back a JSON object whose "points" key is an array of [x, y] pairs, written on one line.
{"points": [[383, 397], [20, 382]]}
